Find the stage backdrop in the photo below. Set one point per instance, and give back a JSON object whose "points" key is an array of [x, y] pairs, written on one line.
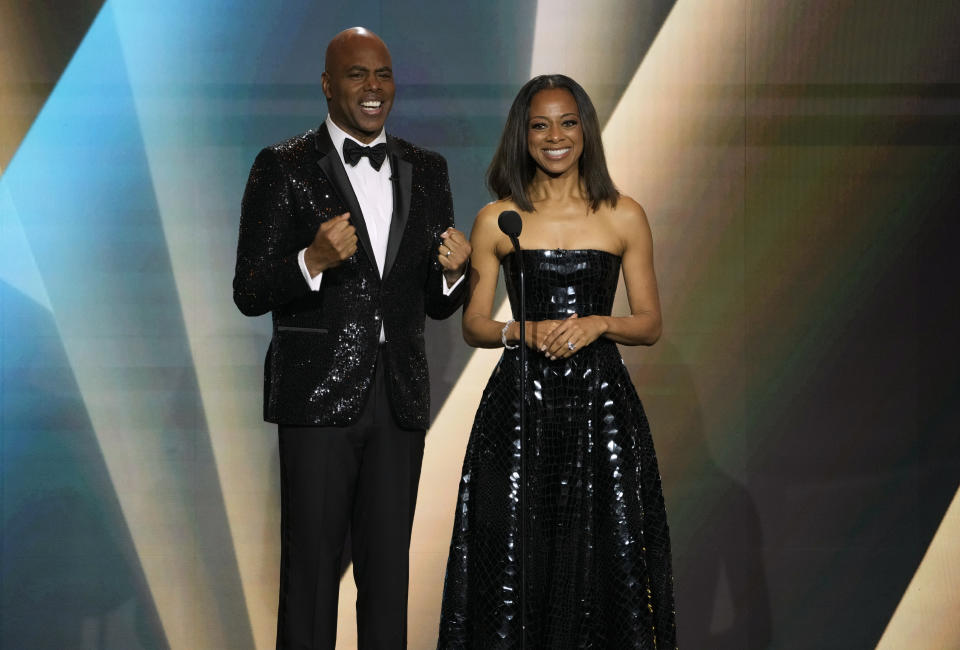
{"points": [[798, 162]]}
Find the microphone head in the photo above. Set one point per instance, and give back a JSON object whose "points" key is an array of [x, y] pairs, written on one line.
{"points": [[510, 223]]}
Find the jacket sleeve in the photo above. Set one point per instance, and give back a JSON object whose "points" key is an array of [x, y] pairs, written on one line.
{"points": [[267, 274], [439, 306]]}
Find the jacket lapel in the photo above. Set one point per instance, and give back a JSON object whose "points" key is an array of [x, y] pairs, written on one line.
{"points": [[402, 177], [333, 168]]}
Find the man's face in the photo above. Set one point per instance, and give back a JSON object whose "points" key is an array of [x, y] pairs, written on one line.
{"points": [[358, 85]]}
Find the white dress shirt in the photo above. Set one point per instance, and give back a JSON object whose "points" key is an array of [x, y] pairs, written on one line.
{"points": [[375, 195]]}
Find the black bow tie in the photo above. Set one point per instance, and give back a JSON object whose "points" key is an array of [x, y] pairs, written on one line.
{"points": [[353, 152]]}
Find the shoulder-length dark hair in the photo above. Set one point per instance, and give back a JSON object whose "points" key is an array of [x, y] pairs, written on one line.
{"points": [[512, 168]]}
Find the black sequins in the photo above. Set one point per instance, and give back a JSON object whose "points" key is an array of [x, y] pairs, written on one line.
{"points": [[320, 363]]}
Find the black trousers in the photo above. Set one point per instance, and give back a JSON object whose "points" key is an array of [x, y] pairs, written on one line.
{"points": [[364, 478]]}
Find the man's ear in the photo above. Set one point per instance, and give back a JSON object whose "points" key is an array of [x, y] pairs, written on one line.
{"points": [[325, 84]]}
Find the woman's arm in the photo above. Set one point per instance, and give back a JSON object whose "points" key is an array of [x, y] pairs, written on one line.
{"points": [[479, 329], [643, 326]]}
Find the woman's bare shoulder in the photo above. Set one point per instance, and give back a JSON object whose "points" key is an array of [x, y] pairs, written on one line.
{"points": [[629, 221], [494, 208], [628, 210], [489, 214]]}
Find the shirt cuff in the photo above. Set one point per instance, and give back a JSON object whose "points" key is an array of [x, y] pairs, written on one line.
{"points": [[448, 290], [313, 281]]}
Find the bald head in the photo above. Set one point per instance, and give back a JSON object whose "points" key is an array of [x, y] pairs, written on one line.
{"points": [[342, 44], [358, 82]]}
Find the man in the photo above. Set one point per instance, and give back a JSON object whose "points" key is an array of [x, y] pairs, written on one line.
{"points": [[349, 247]]}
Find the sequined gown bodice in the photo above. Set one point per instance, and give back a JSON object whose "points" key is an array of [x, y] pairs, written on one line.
{"points": [[597, 546]]}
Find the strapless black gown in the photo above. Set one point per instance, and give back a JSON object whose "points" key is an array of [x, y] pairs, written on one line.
{"points": [[598, 571]]}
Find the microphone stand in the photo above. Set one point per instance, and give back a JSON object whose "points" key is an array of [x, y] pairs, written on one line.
{"points": [[511, 224], [523, 447]]}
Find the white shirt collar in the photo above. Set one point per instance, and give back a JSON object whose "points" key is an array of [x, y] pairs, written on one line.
{"points": [[338, 135]]}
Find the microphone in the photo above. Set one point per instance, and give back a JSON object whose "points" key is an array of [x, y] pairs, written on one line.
{"points": [[511, 224]]}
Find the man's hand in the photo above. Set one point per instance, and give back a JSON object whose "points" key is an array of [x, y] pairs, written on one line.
{"points": [[335, 241], [453, 254]]}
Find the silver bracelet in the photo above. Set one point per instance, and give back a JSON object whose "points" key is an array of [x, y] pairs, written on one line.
{"points": [[503, 336]]}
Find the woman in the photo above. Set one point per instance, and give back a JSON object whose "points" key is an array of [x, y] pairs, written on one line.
{"points": [[597, 566]]}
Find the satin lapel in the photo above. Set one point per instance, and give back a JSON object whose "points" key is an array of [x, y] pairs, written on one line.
{"points": [[402, 177], [333, 168]]}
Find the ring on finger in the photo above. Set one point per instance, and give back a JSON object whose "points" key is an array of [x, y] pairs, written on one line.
{"points": [[571, 346]]}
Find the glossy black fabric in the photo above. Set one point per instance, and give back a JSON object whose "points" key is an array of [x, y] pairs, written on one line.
{"points": [[598, 568], [319, 367]]}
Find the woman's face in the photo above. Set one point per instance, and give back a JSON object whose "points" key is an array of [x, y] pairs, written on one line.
{"points": [[554, 136]]}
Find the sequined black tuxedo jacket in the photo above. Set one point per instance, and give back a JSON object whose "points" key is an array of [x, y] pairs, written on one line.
{"points": [[321, 359]]}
